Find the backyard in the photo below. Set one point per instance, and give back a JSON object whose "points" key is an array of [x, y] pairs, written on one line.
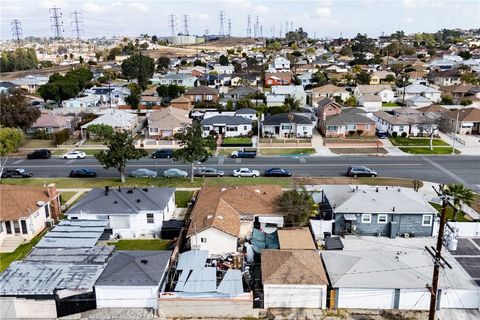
{"points": [[7, 258], [460, 215], [182, 198]]}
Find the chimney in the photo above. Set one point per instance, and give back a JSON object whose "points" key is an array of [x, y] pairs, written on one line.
{"points": [[54, 202]]}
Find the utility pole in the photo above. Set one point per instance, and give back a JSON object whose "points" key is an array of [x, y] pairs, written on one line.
{"points": [[291, 25], [17, 30], [185, 25], [249, 27], [57, 23], [171, 22], [221, 31]]}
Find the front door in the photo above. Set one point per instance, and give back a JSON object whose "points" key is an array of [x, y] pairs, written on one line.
{"points": [[8, 227], [23, 224], [277, 130], [16, 227]]}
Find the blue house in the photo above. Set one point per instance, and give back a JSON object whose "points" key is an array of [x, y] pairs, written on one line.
{"points": [[377, 211]]}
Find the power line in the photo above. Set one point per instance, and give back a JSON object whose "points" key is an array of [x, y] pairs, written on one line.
{"points": [[185, 24], [17, 30], [171, 22], [249, 27], [221, 31], [77, 24], [57, 23]]}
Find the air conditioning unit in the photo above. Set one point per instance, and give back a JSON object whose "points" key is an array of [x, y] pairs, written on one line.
{"points": [[49, 224], [406, 235]]}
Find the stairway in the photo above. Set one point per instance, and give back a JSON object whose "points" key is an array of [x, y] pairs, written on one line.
{"points": [[10, 243]]}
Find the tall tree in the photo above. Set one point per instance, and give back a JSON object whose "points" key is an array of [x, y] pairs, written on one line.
{"points": [[291, 103], [193, 146], [15, 112], [297, 206], [460, 195], [10, 140], [163, 63], [363, 77], [134, 98], [223, 60], [139, 67], [120, 149]]}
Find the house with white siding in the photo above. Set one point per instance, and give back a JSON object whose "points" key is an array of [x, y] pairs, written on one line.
{"points": [[415, 90], [409, 120], [384, 91], [228, 126], [282, 125]]}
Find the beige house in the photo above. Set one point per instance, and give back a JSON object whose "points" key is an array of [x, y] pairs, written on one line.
{"points": [[329, 91], [181, 102], [166, 122]]}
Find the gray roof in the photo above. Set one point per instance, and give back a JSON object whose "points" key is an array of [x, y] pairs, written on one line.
{"points": [[228, 120], [279, 118], [74, 234], [242, 90], [349, 116], [122, 201], [245, 111], [408, 118], [135, 268], [326, 101], [95, 255]]}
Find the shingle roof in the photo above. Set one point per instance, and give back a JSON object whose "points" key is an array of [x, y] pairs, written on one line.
{"points": [[280, 118], [20, 201], [295, 239], [329, 88], [48, 119], [373, 88], [371, 98], [292, 267], [405, 118], [228, 120], [466, 114], [202, 90], [245, 111], [114, 118], [433, 108], [349, 116], [327, 102], [169, 118]]}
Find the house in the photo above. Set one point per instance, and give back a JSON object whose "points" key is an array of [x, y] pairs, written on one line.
{"points": [[336, 69], [180, 79], [278, 78], [150, 98], [386, 211], [335, 121], [418, 102], [280, 93], [119, 120], [380, 77], [293, 279], [461, 91], [132, 279], [223, 69], [250, 79], [295, 238], [7, 86], [223, 215], [50, 123], [111, 95], [202, 94], [384, 91], [414, 90], [130, 212], [228, 126], [164, 123], [24, 211], [279, 64], [329, 91], [370, 102], [247, 113], [30, 83], [283, 125], [305, 79], [83, 102], [406, 119], [449, 77], [381, 273], [181, 102], [468, 120], [241, 92]]}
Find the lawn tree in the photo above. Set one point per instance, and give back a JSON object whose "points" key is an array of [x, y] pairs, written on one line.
{"points": [[430, 129], [193, 146], [10, 140], [460, 195], [298, 206], [15, 112], [120, 149], [139, 67], [100, 130]]}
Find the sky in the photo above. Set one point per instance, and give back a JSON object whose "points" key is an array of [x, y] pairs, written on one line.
{"points": [[323, 18]]}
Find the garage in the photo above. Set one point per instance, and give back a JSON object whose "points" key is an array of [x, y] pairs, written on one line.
{"points": [[414, 299], [365, 298], [291, 296]]}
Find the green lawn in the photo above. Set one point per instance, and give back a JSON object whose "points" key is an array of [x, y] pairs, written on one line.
{"points": [[390, 104], [65, 196], [93, 143], [240, 140], [404, 142], [147, 244], [426, 150], [286, 151], [89, 152], [182, 198], [7, 258], [460, 216], [37, 143]]}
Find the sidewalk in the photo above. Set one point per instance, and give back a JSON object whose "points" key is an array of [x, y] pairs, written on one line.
{"points": [[393, 150], [320, 149], [471, 147]]}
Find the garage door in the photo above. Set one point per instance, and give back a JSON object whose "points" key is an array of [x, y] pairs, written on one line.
{"points": [[292, 297], [414, 299], [459, 299], [366, 298]]}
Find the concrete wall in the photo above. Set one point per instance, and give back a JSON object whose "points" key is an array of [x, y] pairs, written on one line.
{"points": [[294, 296], [126, 297], [14, 308], [215, 241]]}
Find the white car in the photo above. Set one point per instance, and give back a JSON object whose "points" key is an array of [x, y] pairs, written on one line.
{"points": [[245, 172], [74, 155]]}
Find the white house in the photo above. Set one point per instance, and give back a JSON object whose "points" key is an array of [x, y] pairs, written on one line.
{"points": [[296, 92], [283, 125], [223, 69], [279, 64], [228, 126], [118, 119], [131, 212], [370, 102], [30, 83], [109, 95], [180, 79], [384, 91], [329, 91], [132, 279], [408, 120], [336, 69], [415, 90], [82, 102]]}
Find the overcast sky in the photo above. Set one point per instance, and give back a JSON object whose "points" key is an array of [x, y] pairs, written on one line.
{"points": [[324, 18]]}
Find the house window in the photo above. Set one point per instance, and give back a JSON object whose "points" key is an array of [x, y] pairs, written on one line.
{"points": [[23, 224], [400, 128], [232, 129], [203, 240], [382, 219], [366, 218], [367, 127], [47, 210], [49, 130], [332, 128], [209, 97], [304, 128], [153, 129], [426, 220], [350, 127], [286, 127], [150, 218], [244, 127]]}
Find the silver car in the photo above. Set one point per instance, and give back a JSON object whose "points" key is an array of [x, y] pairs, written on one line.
{"points": [[174, 173], [143, 173], [246, 172], [208, 172]]}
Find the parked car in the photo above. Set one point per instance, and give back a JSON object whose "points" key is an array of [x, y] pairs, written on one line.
{"points": [[244, 153], [245, 172], [208, 172], [175, 173], [16, 173], [83, 173], [40, 154], [277, 172], [361, 171], [163, 153], [75, 154], [381, 135], [143, 173]]}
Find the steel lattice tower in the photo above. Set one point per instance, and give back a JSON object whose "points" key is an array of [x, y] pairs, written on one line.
{"points": [[171, 22], [77, 24], [17, 30], [57, 23], [221, 32], [249, 27], [185, 25]]}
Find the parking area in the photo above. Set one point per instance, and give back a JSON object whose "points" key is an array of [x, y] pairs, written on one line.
{"points": [[468, 256]]}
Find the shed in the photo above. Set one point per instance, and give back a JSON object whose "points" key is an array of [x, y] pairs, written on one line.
{"points": [[295, 239]]}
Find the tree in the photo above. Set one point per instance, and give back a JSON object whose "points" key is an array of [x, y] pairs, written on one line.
{"points": [[193, 146], [170, 91], [10, 140], [466, 102], [61, 88], [20, 59], [320, 78], [461, 195], [297, 206], [465, 55], [163, 63], [134, 98], [363, 77], [447, 99], [291, 103], [346, 51], [199, 63], [154, 39], [100, 130], [275, 46], [120, 149], [390, 78], [296, 36], [223, 60], [139, 67], [15, 112]]}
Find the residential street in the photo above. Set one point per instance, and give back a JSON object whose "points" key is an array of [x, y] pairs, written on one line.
{"points": [[441, 169]]}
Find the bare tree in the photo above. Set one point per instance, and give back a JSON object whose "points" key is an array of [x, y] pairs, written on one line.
{"points": [[435, 123]]}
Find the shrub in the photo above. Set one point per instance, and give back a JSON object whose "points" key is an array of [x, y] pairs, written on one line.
{"points": [[41, 134], [351, 132], [394, 134], [404, 134], [61, 136], [359, 132]]}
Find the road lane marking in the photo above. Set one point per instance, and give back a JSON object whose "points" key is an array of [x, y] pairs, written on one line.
{"points": [[70, 161], [446, 171], [220, 161], [18, 161]]}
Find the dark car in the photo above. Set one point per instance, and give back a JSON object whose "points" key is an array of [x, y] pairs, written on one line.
{"points": [[83, 173], [381, 135], [277, 172], [208, 172], [16, 173], [360, 171], [40, 154], [163, 153]]}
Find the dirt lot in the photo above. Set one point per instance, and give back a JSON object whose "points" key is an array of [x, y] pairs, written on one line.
{"points": [[170, 52]]}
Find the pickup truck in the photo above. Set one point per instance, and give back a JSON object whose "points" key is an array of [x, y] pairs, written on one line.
{"points": [[244, 153]]}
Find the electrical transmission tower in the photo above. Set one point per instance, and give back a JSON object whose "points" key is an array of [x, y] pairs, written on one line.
{"points": [[171, 22], [221, 31], [229, 28], [281, 26], [291, 25], [249, 27], [261, 31], [185, 25], [77, 24], [57, 23], [286, 26], [256, 28], [17, 30]]}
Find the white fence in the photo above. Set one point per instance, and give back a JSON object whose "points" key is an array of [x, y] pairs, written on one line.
{"points": [[466, 229]]}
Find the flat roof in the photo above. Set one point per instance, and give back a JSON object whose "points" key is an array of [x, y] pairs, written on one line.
{"points": [[295, 238], [74, 234], [95, 255]]}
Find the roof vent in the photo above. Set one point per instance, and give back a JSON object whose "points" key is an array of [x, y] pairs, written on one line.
{"points": [[376, 189], [138, 200], [144, 261], [220, 217], [145, 189], [398, 189], [115, 202], [393, 209], [40, 203], [223, 189], [130, 191]]}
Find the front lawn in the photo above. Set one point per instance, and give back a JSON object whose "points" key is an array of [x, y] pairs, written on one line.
{"points": [[182, 198], [426, 150], [142, 244], [425, 142], [89, 152], [235, 141], [460, 215], [21, 252], [286, 151], [66, 195]]}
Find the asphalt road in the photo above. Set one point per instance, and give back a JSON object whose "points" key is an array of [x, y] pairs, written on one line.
{"points": [[441, 169]]}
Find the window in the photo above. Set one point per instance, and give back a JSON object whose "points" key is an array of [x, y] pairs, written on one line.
{"points": [[332, 128], [367, 127], [153, 129], [203, 240], [49, 130], [47, 210], [400, 128], [382, 219], [286, 127], [232, 129], [150, 218], [350, 127], [366, 218], [23, 225], [206, 128], [209, 97], [244, 127], [426, 220]]}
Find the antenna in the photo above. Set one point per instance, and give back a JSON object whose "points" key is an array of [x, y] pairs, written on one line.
{"points": [[221, 32], [17, 30], [185, 25], [229, 28], [249, 28], [77, 24], [57, 23], [171, 24]]}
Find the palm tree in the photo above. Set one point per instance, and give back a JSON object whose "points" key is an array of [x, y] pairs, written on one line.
{"points": [[291, 103], [460, 195]]}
